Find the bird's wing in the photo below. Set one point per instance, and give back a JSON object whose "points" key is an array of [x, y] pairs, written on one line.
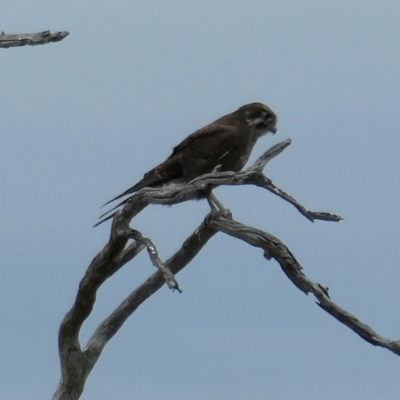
{"points": [[209, 147], [206, 146], [213, 133], [166, 171]]}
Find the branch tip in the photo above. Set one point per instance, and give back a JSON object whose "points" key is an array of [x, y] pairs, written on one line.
{"points": [[33, 39]]}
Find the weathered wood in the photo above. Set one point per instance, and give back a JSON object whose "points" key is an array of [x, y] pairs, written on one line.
{"points": [[77, 363], [274, 248], [31, 39]]}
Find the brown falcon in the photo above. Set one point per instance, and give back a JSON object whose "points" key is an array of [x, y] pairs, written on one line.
{"points": [[226, 142]]}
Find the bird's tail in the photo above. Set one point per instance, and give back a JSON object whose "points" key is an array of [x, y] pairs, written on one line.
{"points": [[128, 191], [105, 219], [108, 212]]}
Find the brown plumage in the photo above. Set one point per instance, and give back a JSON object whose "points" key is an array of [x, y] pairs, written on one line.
{"points": [[226, 142]]}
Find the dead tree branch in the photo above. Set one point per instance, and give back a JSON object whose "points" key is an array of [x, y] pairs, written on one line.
{"points": [[274, 248], [32, 39], [251, 176], [155, 259], [77, 363]]}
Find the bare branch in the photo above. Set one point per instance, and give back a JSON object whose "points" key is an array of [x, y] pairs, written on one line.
{"points": [[262, 181], [76, 363], [109, 327], [75, 366], [32, 39], [129, 253], [274, 248], [155, 259], [178, 194], [274, 151]]}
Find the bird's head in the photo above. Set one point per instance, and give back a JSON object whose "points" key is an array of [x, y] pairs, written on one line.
{"points": [[259, 117]]}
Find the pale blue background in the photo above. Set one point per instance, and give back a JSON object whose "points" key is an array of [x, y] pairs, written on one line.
{"points": [[83, 119]]}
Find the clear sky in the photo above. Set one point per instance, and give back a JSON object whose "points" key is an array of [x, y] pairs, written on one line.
{"points": [[83, 119]]}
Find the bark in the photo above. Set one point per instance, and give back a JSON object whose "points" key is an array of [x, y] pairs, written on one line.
{"points": [[32, 39]]}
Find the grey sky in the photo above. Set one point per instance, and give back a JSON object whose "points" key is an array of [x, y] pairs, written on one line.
{"points": [[83, 119]]}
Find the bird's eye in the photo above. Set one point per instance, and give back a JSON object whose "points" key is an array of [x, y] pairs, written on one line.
{"points": [[257, 115], [269, 117]]}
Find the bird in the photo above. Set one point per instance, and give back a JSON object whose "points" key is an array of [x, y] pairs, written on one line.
{"points": [[225, 144]]}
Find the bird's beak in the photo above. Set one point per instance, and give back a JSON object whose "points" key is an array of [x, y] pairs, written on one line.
{"points": [[273, 129]]}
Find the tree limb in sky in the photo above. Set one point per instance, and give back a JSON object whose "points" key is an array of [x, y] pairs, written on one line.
{"points": [[32, 39], [77, 362]]}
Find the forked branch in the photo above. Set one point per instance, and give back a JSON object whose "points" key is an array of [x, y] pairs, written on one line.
{"points": [[76, 363]]}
